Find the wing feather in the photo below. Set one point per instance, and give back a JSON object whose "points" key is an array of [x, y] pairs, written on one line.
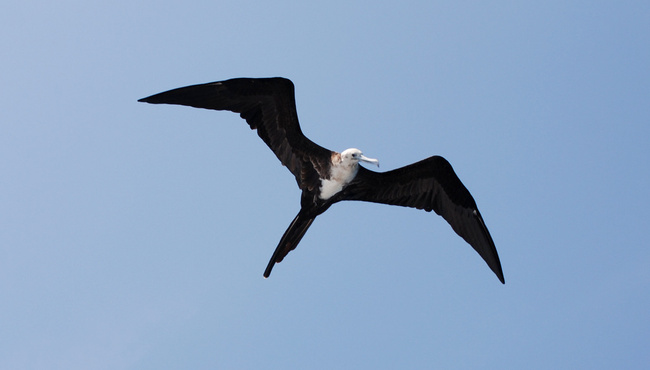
{"points": [[431, 185], [268, 105]]}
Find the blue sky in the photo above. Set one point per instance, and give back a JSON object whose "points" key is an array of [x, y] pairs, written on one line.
{"points": [[134, 236]]}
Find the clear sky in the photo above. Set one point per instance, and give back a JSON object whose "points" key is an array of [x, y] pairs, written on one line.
{"points": [[134, 236]]}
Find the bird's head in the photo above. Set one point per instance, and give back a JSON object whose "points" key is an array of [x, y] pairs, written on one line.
{"points": [[354, 156]]}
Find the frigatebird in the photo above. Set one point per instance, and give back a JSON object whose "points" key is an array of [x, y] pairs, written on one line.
{"points": [[325, 177]]}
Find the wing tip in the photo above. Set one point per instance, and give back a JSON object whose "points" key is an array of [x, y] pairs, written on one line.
{"points": [[495, 266]]}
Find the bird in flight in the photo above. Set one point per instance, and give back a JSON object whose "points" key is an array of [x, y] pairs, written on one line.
{"points": [[326, 177]]}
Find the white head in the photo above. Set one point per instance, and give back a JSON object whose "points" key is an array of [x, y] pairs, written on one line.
{"points": [[354, 156]]}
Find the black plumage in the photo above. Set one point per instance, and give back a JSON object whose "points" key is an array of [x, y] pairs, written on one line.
{"points": [[268, 106]]}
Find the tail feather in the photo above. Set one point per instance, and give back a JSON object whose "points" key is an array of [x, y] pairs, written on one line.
{"points": [[289, 240]]}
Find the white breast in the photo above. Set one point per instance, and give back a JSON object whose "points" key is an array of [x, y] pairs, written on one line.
{"points": [[340, 176]]}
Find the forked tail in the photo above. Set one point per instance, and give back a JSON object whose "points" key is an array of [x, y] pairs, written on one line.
{"points": [[289, 240]]}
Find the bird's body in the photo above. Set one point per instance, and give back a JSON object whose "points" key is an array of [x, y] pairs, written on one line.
{"points": [[326, 177]]}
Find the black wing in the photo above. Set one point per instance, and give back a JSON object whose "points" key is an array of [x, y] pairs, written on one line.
{"points": [[430, 184], [268, 105]]}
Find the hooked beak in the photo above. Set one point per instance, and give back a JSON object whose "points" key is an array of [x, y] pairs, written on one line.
{"points": [[370, 160]]}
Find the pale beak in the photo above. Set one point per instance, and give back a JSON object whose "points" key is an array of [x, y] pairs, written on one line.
{"points": [[370, 160]]}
